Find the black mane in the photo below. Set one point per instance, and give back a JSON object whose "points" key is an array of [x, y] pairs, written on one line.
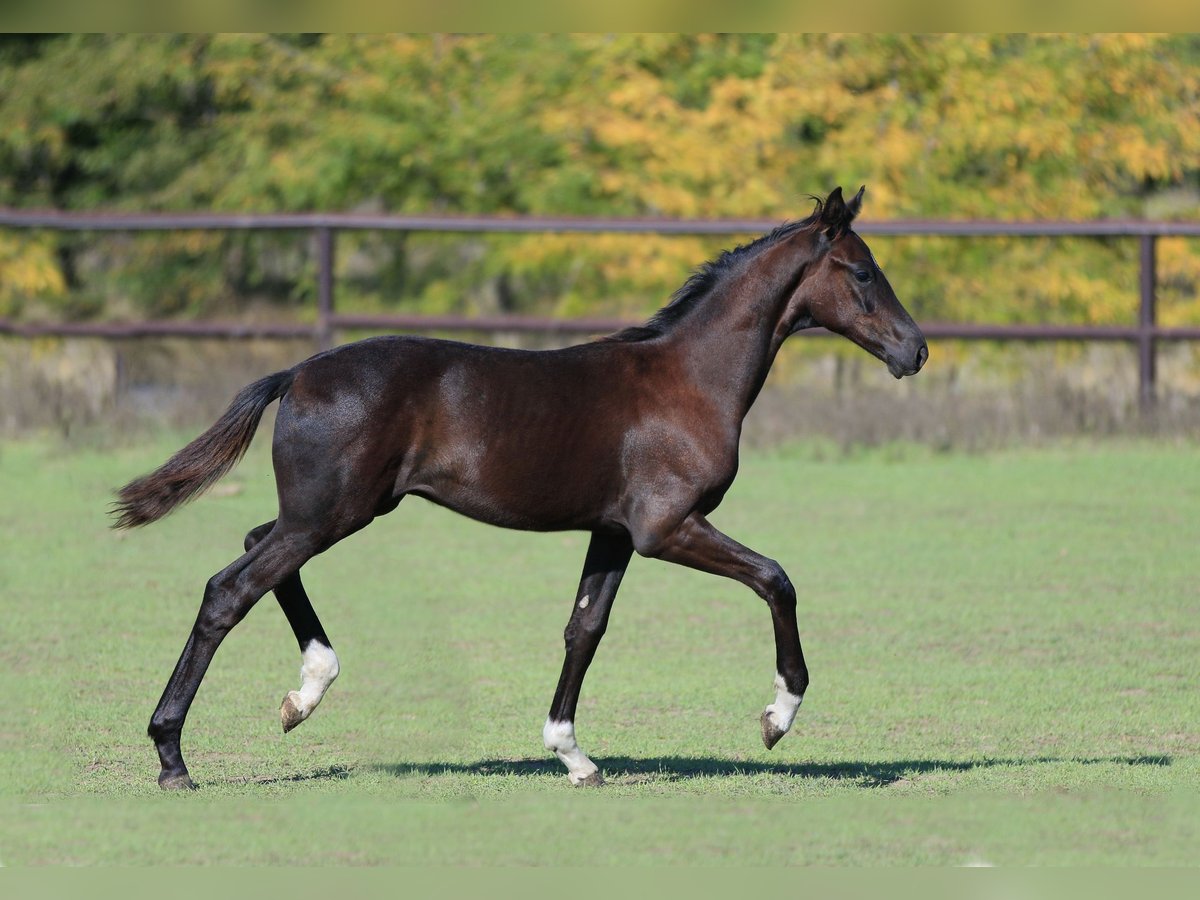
{"points": [[707, 277]]}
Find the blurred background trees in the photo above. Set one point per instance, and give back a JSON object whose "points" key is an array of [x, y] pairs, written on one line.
{"points": [[953, 126]]}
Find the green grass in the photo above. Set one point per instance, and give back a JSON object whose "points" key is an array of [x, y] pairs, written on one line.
{"points": [[1004, 653]]}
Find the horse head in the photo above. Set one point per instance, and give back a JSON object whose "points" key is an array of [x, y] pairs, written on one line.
{"points": [[847, 293]]}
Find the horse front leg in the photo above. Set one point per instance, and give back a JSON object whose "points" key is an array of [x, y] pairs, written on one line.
{"points": [[697, 544], [607, 557]]}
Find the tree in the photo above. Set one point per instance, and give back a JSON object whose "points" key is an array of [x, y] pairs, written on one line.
{"points": [[961, 126]]}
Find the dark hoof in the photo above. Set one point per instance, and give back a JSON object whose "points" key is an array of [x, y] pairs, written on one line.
{"points": [[593, 780], [289, 714], [771, 732], [176, 782]]}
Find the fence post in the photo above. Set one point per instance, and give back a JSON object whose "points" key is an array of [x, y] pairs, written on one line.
{"points": [[1146, 324], [324, 287]]}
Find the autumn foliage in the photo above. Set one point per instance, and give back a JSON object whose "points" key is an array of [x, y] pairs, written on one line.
{"points": [[1009, 127]]}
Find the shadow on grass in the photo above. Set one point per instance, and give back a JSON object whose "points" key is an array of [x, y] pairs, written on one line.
{"points": [[625, 770], [330, 773]]}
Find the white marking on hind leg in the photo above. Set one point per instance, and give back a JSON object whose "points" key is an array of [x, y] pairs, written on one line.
{"points": [[783, 711], [318, 668], [560, 738]]}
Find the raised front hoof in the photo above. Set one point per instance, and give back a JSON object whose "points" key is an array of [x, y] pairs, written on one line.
{"points": [[593, 780], [771, 733], [170, 782], [289, 713]]}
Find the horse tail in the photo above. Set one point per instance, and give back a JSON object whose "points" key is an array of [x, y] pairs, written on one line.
{"points": [[204, 461]]}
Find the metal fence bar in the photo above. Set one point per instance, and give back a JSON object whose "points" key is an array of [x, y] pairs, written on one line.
{"points": [[514, 324], [78, 221], [1146, 334], [325, 287], [1146, 322], [539, 325], [184, 329]]}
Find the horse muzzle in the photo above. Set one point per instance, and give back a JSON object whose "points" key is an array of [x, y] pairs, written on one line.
{"points": [[908, 360]]}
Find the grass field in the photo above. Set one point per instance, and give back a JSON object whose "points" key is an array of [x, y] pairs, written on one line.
{"points": [[1004, 654]]}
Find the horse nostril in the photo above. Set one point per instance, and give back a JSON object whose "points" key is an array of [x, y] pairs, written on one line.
{"points": [[922, 355]]}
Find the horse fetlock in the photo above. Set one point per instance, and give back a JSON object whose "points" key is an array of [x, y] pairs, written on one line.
{"points": [[559, 738], [318, 669], [581, 771], [778, 717]]}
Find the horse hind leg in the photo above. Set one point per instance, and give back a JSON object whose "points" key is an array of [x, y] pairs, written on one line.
{"points": [[228, 597], [318, 662]]}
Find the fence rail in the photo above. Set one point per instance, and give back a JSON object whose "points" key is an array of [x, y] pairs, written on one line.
{"points": [[1145, 334]]}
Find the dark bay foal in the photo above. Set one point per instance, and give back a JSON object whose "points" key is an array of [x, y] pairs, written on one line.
{"points": [[633, 438]]}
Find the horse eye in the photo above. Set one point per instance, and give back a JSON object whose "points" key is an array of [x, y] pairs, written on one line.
{"points": [[863, 275]]}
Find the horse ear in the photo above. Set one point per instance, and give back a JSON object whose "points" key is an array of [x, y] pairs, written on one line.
{"points": [[834, 214], [834, 208], [855, 205]]}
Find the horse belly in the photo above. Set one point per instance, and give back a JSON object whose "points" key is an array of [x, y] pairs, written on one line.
{"points": [[516, 440], [548, 485]]}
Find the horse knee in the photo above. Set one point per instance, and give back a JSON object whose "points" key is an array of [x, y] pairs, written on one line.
{"points": [[775, 587]]}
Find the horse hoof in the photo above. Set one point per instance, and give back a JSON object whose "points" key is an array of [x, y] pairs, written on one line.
{"points": [[176, 782], [771, 733], [593, 780], [289, 713]]}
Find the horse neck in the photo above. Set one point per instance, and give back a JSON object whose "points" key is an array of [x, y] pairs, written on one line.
{"points": [[731, 339]]}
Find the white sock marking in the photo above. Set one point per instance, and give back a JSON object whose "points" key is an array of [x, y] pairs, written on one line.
{"points": [[318, 668], [560, 738], [783, 710]]}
